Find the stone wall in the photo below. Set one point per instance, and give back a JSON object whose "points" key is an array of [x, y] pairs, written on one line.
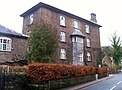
{"points": [[18, 50], [52, 18]]}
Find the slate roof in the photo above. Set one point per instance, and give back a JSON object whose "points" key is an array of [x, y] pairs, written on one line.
{"points": [[8, 32], [39, 5], [77, 33]]}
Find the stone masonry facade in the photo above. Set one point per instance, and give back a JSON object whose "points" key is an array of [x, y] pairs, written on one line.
{"points": [[51, 15], [18, 50]]}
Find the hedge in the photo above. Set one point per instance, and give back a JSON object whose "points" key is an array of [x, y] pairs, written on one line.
{"points": [[102, 70], [40, 72]]}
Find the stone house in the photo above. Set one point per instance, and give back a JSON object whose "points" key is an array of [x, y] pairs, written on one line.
{"points": [[107, 60], [78, 38], [12, 45]]}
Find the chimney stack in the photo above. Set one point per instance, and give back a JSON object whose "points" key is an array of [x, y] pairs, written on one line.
{"points": [[93, 18]]}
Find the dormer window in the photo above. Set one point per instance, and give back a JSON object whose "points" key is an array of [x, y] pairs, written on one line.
{"points": [[5, 44], [31, 19], [87, 29], [75, 24], [62, 21]]}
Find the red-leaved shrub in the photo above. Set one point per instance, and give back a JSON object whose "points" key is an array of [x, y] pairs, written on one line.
{"points": [[40, 72], [102, 70]]}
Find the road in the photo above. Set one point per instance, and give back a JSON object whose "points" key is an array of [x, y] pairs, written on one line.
{"points": [[114, 83]]}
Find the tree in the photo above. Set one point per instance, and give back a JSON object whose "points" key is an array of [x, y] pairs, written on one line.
{"points": [[106, 50], [116, 49], [42, 43]]}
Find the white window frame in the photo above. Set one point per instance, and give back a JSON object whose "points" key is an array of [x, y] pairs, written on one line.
{"points": [[87, 29], [75, 24], [88, 42], [31, 19], [80, 56], [88, 56], [62, 36], [5, 44], [62, 21], [63, 54], [77, 39]]}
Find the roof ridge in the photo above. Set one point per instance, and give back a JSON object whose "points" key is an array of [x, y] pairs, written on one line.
{"points": [[55, 9], [6, 31]]}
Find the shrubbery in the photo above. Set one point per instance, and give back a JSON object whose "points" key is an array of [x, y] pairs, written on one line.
{"points": [[102, 70], [40, 72]]}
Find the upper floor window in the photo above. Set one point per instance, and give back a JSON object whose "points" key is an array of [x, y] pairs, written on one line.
{"points": [[88, 42], [31, 19], [5, 44], [87, 29], [62, 21], [77, 39], [75, 24], [63, 54], [62, 36], [88, 56]]}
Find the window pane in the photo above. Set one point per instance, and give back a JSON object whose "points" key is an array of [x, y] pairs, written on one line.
{"points": [[8, 47], [4, 41], [88, 42], [4, 46], [0, 46], [62, 36], [31, 18], [75, 24], [88, 56], [80, 40], [87, 29], [0, 40], [63, 54], [62, 20]]}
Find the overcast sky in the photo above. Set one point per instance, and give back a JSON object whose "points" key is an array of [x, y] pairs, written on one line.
{"points": [[108, 13]]}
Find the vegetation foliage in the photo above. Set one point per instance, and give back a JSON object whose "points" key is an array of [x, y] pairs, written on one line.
{"points": [[116, 49], [41, 72], [42, 44]]}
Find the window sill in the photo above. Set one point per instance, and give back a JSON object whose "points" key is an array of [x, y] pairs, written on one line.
{"points": [[63, 26], [4, 51], [63, 58], [63, 41]]}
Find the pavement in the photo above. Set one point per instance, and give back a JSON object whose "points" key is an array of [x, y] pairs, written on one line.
{"points": [[80, 86]]}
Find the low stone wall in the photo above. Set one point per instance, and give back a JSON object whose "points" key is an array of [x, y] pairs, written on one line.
{"points": [[102, 75], [62, 83]]}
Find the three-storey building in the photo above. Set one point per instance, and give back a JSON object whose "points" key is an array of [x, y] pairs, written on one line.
{"points": [[78, 38]]}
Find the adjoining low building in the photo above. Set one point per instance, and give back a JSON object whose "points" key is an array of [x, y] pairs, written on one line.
{"points": [[78, 38], [13, 45]]}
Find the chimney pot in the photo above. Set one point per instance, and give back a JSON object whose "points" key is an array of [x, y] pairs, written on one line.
{"points": [[93, 18]]}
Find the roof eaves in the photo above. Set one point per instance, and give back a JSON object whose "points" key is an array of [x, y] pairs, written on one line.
{"points": [[12, 35], [55, 10]]}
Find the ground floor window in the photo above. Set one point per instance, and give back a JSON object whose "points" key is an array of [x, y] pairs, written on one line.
{"points": [[5, 44], [63, 54], [88, 56]]}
